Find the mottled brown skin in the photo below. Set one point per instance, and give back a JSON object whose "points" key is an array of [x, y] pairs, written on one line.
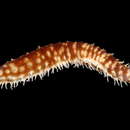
{"points": [[50, 55]]}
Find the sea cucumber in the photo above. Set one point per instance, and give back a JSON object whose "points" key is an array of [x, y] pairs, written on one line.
{"points": [[56, 56]]}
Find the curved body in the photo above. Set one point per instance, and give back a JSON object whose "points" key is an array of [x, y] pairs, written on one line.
{"points": [[53, 56]]}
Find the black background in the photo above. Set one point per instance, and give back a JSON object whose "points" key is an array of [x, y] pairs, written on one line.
{"points": [[71, 95]]}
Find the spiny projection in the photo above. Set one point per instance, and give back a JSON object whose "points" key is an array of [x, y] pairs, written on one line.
{"points": [[57, 56]]}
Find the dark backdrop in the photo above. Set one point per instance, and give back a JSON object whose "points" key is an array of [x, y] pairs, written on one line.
{"points": [[71, 97]]}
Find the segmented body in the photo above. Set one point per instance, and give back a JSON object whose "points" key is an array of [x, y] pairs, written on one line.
{"points": [[53, 56]]}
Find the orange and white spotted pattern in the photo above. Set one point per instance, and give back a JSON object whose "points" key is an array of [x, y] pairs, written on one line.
{"points": [[53, 56]]}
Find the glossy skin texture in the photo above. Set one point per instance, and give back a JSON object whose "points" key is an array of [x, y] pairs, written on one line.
{"points": [[47, 58]]}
